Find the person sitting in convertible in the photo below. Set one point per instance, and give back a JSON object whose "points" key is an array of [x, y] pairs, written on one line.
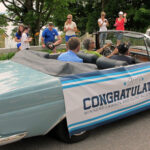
{"points": [[71, 54], [89, 45], [123, 55]]}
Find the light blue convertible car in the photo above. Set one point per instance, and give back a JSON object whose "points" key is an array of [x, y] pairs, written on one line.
{"points": [[32, 97]]}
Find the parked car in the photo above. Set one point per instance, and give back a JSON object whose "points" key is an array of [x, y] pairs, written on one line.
{"points": [[33, 92]]}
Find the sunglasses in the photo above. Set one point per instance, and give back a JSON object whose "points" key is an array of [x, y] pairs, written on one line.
{"points": [[68, 18]]}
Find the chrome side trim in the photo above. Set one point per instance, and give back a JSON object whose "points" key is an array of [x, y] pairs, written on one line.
{"points": [[11, 138], [62, 118]]}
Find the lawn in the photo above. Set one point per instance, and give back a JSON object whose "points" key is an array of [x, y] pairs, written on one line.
{"points": [[58, 51]]}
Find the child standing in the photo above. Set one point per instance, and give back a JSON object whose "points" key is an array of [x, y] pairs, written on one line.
{"points": [[25, 40]]}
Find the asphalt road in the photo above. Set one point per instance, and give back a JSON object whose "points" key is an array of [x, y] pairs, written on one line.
{"points": [[132, 133]]}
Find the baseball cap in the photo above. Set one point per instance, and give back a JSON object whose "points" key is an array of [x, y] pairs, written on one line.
{"points": [[50, 24], [121, 13]]}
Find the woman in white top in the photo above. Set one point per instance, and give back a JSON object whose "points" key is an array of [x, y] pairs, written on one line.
{"points": [[103, 24], [70, 28], [25, 39]]}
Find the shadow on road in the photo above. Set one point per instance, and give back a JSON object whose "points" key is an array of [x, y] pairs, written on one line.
{"points": [[114, 136]]}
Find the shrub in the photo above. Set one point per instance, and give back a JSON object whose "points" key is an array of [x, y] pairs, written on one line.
{"points": [[7, 56]]}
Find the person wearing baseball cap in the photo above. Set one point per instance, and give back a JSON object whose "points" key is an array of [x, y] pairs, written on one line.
{"points": [[48, 37], [119, 24], [121, 13], [123, 55]]}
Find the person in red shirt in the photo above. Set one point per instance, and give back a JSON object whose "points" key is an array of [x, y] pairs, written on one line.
{"points": [[119, 24]]}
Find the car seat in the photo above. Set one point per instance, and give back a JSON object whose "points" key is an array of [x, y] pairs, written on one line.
{"points": [[105, 63], [88, 58]]}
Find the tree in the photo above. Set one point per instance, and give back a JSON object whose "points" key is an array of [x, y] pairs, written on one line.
{"points": [[85, 14], [142, 16], [3, 23], [103, 4], [34, 13], [132, 8]]}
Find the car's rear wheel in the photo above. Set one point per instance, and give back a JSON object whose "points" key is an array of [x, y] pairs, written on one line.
{"points": [[62, 133]]}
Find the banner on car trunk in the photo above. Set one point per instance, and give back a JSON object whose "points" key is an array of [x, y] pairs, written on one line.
{"points": [[96, 98]]}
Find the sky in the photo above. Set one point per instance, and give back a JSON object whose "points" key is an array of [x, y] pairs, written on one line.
{"points": [[3, 9], [9, 42]]}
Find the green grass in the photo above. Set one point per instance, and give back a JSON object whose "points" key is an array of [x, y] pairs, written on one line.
{"points": [[50, 51], [6, 56]]}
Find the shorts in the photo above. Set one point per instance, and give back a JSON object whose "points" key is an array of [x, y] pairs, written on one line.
{"points": [[119, 36], [67, 37], [18, 45]]}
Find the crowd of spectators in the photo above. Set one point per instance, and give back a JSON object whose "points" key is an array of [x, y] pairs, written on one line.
{"points": [[73, 43]]}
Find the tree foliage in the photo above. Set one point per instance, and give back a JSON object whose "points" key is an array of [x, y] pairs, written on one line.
{"points": [[3, 23], [87, 12], [35, 13]]}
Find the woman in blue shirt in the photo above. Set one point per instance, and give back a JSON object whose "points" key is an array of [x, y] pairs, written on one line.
{"points": [[18, 36]]}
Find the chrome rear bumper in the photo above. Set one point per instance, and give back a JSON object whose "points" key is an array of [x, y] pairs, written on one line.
{"points": [[12, 138]]}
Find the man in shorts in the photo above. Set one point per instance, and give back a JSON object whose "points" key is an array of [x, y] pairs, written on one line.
{"points": [[48, 38]]}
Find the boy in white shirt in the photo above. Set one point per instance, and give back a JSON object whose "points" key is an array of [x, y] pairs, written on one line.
{"points": [[25, 39]]}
